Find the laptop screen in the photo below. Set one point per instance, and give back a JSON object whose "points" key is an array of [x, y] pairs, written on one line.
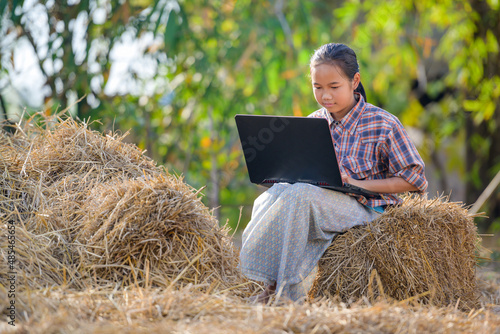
{"points": [[288, 149]]}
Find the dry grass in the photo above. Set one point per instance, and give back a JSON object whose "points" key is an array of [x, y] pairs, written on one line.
{"points": [[187, 310], [107, 242]]}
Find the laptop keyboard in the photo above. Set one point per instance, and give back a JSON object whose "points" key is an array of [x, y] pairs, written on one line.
{"points": [[350, 186], [354, 188]]}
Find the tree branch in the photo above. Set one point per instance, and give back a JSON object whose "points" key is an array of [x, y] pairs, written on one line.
{"points": [[278, 11], [7, 126]]}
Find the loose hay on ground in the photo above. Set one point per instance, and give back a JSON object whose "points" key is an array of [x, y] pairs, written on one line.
{"points": [[421, 248], [186, 310]]}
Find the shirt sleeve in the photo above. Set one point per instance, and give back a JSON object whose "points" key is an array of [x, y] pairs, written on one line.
{"points": [[403, 158]]}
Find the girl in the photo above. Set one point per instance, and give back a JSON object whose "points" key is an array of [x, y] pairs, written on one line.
{"points": [[293, 224]]}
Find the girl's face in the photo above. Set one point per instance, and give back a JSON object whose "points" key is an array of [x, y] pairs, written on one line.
{"points": [[333, 90]]}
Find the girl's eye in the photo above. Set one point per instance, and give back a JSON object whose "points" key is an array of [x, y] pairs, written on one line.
{"points": [[335, 87]]}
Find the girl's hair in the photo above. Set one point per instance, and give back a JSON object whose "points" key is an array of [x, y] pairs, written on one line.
{"points": [[339, 55]]}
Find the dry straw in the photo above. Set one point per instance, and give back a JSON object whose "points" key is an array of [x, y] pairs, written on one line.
{"points": [[106, 241], [421, 249], [91, 210], [187, 310]]}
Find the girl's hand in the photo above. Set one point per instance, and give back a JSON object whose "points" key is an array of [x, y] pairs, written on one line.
{"points": [[350, 180], [345, 178]]}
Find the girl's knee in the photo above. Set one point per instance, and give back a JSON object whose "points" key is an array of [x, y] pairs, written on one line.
{"points": [[301, 191]]}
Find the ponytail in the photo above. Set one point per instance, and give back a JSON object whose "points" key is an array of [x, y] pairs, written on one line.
{"points": [[361, 90]]}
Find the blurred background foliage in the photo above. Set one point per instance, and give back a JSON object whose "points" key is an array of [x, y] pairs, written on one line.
{"points": [[176, 72]]}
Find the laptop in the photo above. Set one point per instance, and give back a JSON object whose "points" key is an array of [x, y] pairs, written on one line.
{"points": [[291, 149]]}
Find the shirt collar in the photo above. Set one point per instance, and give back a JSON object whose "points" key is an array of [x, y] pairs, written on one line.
{"points": [[349, 121]]}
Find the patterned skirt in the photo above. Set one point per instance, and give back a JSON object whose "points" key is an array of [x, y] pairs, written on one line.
{"points": [[292, 225]]}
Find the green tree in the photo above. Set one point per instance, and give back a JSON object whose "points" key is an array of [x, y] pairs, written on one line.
{"points": [[219, 58], [433, 64], [72, 44], [233, 57]]}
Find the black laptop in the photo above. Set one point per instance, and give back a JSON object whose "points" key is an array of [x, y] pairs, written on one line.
{"points": [[291, 149]]}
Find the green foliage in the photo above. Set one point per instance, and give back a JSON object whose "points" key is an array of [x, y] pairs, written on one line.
{"points": [[233, 58], [428, 62]]}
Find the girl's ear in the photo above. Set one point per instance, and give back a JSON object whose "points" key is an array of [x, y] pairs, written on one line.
{"points": [[356, 80]]}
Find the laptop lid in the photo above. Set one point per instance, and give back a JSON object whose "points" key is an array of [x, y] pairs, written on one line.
{"points": [[291, 149]]}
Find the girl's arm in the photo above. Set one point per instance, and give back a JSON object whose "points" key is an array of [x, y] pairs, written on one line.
{"points": [[391, 185]]}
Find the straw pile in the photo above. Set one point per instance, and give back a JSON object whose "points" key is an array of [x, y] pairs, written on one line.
{"points": [[91, 210], [108, 242], [186, 310], [423, 249]]}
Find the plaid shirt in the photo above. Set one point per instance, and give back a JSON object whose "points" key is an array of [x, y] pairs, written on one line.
{"points": [[371, 143]]}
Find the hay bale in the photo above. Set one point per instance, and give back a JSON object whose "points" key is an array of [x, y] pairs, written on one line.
{"points": [[71, 148], [100, 213], [424, 248], [158, 228]]}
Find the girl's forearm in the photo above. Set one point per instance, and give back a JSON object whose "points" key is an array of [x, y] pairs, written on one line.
{"points": [[390, 185]]}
